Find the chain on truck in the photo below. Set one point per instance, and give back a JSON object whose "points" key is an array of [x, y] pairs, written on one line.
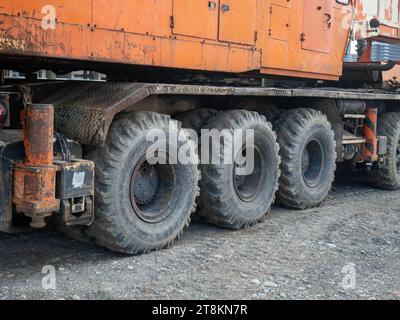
{"points": [[73, 153]]}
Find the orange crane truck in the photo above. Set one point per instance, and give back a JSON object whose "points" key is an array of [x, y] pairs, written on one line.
{"points": [[74, 154]]}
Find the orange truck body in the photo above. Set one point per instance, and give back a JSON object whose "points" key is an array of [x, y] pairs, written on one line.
{"points": [[279, 37], [295, 38], [386, 11]]}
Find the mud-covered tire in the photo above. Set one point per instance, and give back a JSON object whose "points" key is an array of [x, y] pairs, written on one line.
{"points": [[122, 224], [222, 200], [308, 158], [196, 119], [388, 177]]}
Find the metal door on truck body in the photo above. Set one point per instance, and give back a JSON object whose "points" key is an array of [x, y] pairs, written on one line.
{"points": [[306, 38], [277, 51], [280, 19], [238, 21], [196, 18], [317, 25], [231, 21]]}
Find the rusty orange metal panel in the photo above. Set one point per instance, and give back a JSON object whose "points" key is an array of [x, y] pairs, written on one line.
{"points": [[283, 31], [282, 3], [290, 58], [196, 18], [280, 22], [142, 32], [72, 11], [317, 28], [238, 20], [92, 44], [138, 16]]}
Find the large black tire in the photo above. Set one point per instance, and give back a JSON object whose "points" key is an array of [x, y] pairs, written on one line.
{"points": [[388, 177], [308, 155], [227, 201], [140, 207], [196, 119], [271, 113]]}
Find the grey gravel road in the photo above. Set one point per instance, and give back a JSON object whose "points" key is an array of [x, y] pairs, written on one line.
{"points": [[347, 249]]}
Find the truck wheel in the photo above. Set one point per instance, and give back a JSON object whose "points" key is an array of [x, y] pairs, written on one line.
{"points": [[196, 119], [388, 177], [239, 201], [141, 207], [271, 113], [307, 150]]}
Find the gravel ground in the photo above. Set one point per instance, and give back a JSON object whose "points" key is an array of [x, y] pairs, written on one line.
{"points": [[347, 249]]}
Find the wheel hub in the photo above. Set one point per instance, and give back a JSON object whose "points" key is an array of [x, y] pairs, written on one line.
{"points": [[146, 184], [306, 160], [248, 187], [312, 163], [152, 189]]}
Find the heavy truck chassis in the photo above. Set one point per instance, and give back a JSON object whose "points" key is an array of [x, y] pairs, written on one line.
{"points": [[72, 155]]}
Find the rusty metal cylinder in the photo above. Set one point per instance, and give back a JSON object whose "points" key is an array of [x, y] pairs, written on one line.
{"points": [[38, 124], [35, 178], [370, 133]]}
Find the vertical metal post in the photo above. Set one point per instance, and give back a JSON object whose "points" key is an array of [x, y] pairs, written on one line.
{"points": [[370, 133]]}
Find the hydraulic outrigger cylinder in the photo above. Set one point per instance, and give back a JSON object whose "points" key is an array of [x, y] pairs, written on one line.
{"points": [[35, 178], [45, 185]]}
